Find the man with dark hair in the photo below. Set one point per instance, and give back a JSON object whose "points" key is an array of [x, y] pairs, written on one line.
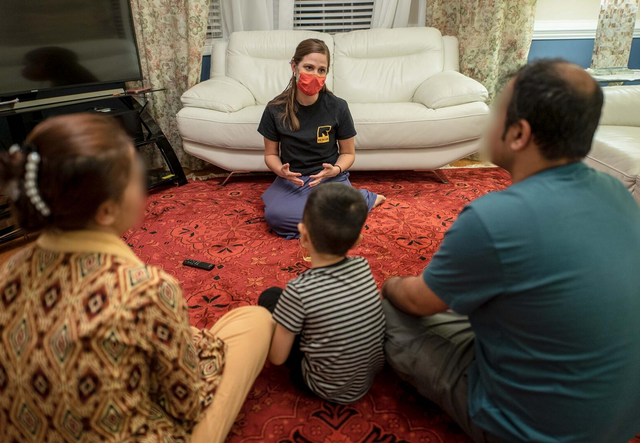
{"points": [[330, 325], [543, 344]]}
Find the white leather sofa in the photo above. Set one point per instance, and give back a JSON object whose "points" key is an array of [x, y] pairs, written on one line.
{"points": [[412, 108], [616, 147]]}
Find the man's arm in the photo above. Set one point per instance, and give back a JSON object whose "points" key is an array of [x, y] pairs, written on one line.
{"points": [[412, 296], [281, 345], [463, 275]]}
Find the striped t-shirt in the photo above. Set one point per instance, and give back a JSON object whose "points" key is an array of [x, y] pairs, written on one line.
{"points": [[337, 311]]}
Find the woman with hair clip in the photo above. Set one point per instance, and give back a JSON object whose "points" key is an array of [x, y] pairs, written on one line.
{"points": [[308, 139], [96, 345]]}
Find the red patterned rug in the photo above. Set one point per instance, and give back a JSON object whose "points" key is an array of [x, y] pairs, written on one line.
{"points": [[225, 226]]}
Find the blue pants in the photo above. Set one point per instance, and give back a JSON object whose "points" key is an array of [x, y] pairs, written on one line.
{"points": [[284, 203]]}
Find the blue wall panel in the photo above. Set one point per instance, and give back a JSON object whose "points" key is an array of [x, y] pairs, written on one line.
{"points": [[577, 51], [634, 60], [206, 68]]}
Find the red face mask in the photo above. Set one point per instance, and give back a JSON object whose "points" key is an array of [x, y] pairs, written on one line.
{"points": [[310, 84]]}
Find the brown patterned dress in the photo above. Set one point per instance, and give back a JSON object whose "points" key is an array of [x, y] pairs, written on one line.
{"points": [[96, 346]]}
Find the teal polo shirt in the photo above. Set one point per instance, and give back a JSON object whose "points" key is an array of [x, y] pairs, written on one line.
{"points": [[548, 272]]}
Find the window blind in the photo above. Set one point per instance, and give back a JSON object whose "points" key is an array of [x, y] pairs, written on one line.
{"points": [[214, 26], [332, 16]]}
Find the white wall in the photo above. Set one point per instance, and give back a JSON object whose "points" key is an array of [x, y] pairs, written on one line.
{"points": [[567, 10], [567, 19], [570, 10]]}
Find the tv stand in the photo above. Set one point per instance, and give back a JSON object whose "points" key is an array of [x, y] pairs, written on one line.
{"points": [[152, 134], [62, 100], [22, 120]]}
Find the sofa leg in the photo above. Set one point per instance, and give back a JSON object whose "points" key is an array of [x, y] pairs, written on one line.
{"points": [[443, 178], [231, 174], [439, 173]]}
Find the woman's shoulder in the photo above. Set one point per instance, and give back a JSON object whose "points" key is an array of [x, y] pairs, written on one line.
{"points": [[147, 285], [334, 101], [275, 104], [16, 263], [143, 275]]}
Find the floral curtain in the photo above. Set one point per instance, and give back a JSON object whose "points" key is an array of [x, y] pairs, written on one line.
{"points": [[495, 36], [615, 33], [171, 36]]}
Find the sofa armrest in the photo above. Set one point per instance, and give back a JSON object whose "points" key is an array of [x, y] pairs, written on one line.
{"points": [[621, 106], [451, 53], [222, 94], [218, 59], [449, 88]]}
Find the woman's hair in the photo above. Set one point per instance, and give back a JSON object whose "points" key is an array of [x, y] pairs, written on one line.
{"points": [[288, 96], [85, 160]]}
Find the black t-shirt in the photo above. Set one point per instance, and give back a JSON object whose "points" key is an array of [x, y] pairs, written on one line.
{"points": [[322, 124]]}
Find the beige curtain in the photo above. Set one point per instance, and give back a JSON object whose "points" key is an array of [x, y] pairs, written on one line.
{"points": [[615, 33], [495, 36], [171, 36]]}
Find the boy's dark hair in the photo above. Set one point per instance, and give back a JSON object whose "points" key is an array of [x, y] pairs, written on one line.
{"points": [[563, 110], [334, 216]]}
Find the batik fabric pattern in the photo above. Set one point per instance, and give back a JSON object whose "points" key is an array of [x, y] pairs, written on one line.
{"points": [[98, 348], [494, 35]]}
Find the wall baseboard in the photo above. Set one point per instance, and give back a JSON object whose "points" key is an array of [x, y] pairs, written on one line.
{"points": [[569, 29]]}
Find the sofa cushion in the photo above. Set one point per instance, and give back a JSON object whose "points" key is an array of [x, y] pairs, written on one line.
{"points": [[260, 60], [236, 130], [450, 88], [385, 65], [616, 151], [222, 94], [412, 125], [621, 106], [379, 126]]}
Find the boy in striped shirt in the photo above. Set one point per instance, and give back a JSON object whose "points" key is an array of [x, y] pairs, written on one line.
{"points": [[330, 324]]}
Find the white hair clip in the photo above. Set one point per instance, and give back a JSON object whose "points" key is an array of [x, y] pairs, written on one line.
{"points": [[31, 184]]}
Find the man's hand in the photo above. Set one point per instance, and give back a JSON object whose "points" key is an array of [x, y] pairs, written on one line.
{"points": [[412, 296], [328, 172], [291, 176], [388, 287]]}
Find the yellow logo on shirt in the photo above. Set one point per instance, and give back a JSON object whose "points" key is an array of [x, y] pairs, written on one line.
{"points": [[323, 134]]}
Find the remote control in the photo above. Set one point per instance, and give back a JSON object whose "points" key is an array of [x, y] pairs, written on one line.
{"points": [[198, 264]]}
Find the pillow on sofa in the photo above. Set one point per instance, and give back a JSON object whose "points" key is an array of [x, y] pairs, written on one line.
{"points": [[222, 94], [449, 88], [621, 106]]}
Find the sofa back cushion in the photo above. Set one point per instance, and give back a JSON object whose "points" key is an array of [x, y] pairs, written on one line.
{"points": [[260, 60], [621, 106], [385, 65]]}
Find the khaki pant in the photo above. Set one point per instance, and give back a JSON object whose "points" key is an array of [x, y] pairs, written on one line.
{"points": [[247, 332]]}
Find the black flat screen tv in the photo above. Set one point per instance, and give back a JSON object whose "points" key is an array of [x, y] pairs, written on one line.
{"points": [[58, 44]]}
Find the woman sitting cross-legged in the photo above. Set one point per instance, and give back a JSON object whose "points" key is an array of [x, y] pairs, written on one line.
{"points": [[308, 139], [95, 345]]}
